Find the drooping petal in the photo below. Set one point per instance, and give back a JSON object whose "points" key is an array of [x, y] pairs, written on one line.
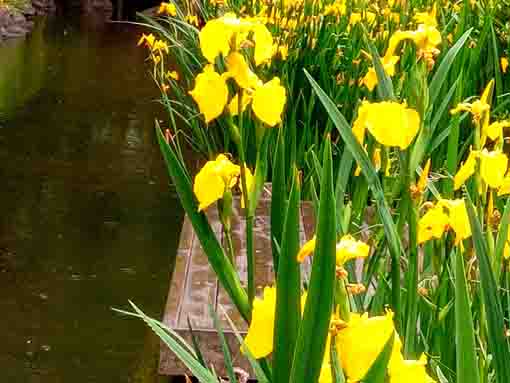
{"points": [[391, 123], [209, 186], [493, 167], [269, 101], [259, 339], [466, 170], [215, 39], [210, 93], [233, 106], [263, 44]]}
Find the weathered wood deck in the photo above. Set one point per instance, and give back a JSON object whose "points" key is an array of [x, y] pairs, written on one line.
{"points": [[194, 285]]}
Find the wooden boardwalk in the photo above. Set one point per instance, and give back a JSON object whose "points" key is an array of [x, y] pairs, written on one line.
{"points": [[194, 285]]}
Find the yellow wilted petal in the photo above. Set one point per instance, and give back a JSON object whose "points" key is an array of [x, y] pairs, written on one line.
{"points": [[466, 170], [263, 44], [487, 93], [458, 218], [362, 341], [391, 123], [215, 39], [306, 250], [269, 101], [210, 93], [493, 167], [432, 225], [349, 248], [259, 339], [238, 68]]}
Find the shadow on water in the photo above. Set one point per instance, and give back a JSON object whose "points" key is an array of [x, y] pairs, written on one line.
{"points": [[87, 219]]}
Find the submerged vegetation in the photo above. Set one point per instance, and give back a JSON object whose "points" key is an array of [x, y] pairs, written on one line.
{"points": [[392, 117]]}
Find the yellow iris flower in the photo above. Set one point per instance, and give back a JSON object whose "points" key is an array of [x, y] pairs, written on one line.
{"points": [[226, 33], [210, 93], [259, 339], [388, 62], [411, 371], [214, 179], [479, 109], [493, 167], [391, 123], [445, 214], [427, 18], [348, 248], [433, 224]]}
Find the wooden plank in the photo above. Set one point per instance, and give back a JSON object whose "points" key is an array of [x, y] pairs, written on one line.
{"points": [[194, 285]]}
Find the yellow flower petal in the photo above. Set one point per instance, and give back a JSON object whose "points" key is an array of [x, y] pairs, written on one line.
{"points": [[495, 130], [361, 342], [493, 167], [263, 44], [349, 248], [432, 225], [458, 218], [238, 68], [259, 339], [306, 250], [466, 170], [422, 181], [209, 186], [215, 39], [410, 371], [213, 179], [391, 123], [269, 101], [250, 181], [210, 93], [504, 189]]}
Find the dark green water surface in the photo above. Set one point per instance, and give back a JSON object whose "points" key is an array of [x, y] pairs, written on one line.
{"points": [[87, 217]]}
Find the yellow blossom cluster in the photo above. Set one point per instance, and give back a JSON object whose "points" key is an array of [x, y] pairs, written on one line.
{"points": [[226, 37]]}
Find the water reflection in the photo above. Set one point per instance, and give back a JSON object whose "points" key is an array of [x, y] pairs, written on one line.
{"points": [[87, 219]]}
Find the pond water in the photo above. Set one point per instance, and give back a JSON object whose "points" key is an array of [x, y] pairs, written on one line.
{"points": [[87, 217]]}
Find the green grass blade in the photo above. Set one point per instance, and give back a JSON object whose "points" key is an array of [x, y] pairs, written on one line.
{"points": [[501, 239], [368, 171], [311, 342], [467, 364], [498, 344], [200, 372], [227, 356], [278, 198], [288, 297], [442, 72]]}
